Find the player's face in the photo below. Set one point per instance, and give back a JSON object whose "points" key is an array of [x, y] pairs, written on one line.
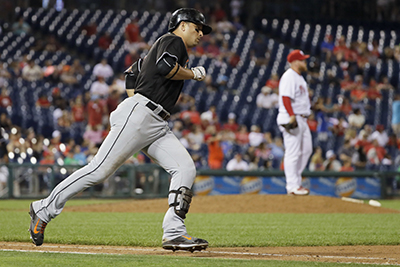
{"points": [[193, 34], [302, 65]]}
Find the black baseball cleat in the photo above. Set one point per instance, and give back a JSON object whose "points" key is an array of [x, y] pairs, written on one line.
{"points": [[185, 242], [36, 228]]}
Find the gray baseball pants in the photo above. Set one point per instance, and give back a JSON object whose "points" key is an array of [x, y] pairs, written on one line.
{"points": [[134, 127]]}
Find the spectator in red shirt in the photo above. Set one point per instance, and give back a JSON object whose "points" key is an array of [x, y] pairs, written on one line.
{"points": [[358, 93], [347, 167], [131, 57], [5, 100], [341, 46], [112, 101], [375, 153], [212, 49], [233, 59], [273, 81], [48, 158], [90, 28], [351, 54], [231, 124], [347, 84], [78, 109], [339, 127], [312, 123], [363, 141], [218, 13], [346, 107], [132, 32], [192, 116], [215, 153], [104, 41], [242, 135], [95, 110], [43, 101], [373, 91]]}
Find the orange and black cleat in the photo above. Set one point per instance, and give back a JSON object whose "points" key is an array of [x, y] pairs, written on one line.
{"points": [[36, 229]]}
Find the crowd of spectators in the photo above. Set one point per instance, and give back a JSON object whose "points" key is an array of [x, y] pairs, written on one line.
{"points": [[345, 116]]}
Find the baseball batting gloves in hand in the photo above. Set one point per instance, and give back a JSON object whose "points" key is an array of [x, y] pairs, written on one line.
{"points": [[199, 73], [289, 126]]}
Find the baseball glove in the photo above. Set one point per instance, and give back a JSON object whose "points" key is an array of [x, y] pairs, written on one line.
{"points": [[289, 126]]}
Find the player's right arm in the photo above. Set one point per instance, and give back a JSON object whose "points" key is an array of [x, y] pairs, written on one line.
{"points": [[168, 66], [287, 92]]}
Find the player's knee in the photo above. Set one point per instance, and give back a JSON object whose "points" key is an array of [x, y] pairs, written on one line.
{"points": [[308, 150], [186, 172], [189, 170]]}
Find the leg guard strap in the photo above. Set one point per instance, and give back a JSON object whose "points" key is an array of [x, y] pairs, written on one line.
{"points": [[183, 198]]}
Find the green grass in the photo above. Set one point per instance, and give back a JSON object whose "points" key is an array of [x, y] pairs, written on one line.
{"points": [[221, 230], [391, 204], [11, 259]]}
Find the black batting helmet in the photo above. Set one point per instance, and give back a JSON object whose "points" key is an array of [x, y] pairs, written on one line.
{"points": [[188, 14]]}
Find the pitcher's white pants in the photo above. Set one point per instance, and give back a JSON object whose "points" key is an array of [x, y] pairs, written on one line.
{"points": [[298, 149]]}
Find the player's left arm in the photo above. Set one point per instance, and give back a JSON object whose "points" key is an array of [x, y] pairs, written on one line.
{"points": [[131, 76]]}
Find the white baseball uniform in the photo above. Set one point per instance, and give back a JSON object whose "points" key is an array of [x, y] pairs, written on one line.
{"points": [[298, 141]]}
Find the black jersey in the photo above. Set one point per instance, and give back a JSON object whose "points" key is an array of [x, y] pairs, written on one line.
{"points": [[151, 83]]}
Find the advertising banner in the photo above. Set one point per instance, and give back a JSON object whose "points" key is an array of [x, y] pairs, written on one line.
{"points": [[333, 187]]}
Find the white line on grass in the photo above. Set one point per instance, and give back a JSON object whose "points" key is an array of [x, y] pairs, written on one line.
{"points": [[205, 252], [55, 251]]}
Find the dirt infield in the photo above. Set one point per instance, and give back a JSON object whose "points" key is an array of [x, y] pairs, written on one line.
{"points": [[240, 204]]}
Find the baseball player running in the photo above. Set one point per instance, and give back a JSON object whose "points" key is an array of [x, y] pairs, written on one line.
{"points": [[140, 123], [294, 108]]}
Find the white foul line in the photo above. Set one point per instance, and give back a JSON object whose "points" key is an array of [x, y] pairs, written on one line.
{"points": [[204, 252]]}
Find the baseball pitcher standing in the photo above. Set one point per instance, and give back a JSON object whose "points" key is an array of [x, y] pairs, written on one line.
{"points": [[140, 123], [294, 108]]}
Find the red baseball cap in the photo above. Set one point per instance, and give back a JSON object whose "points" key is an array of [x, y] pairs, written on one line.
{"points": [[296, 55]]}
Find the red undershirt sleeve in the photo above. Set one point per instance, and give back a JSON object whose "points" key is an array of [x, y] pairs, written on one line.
{"points": [[288, 105]]}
